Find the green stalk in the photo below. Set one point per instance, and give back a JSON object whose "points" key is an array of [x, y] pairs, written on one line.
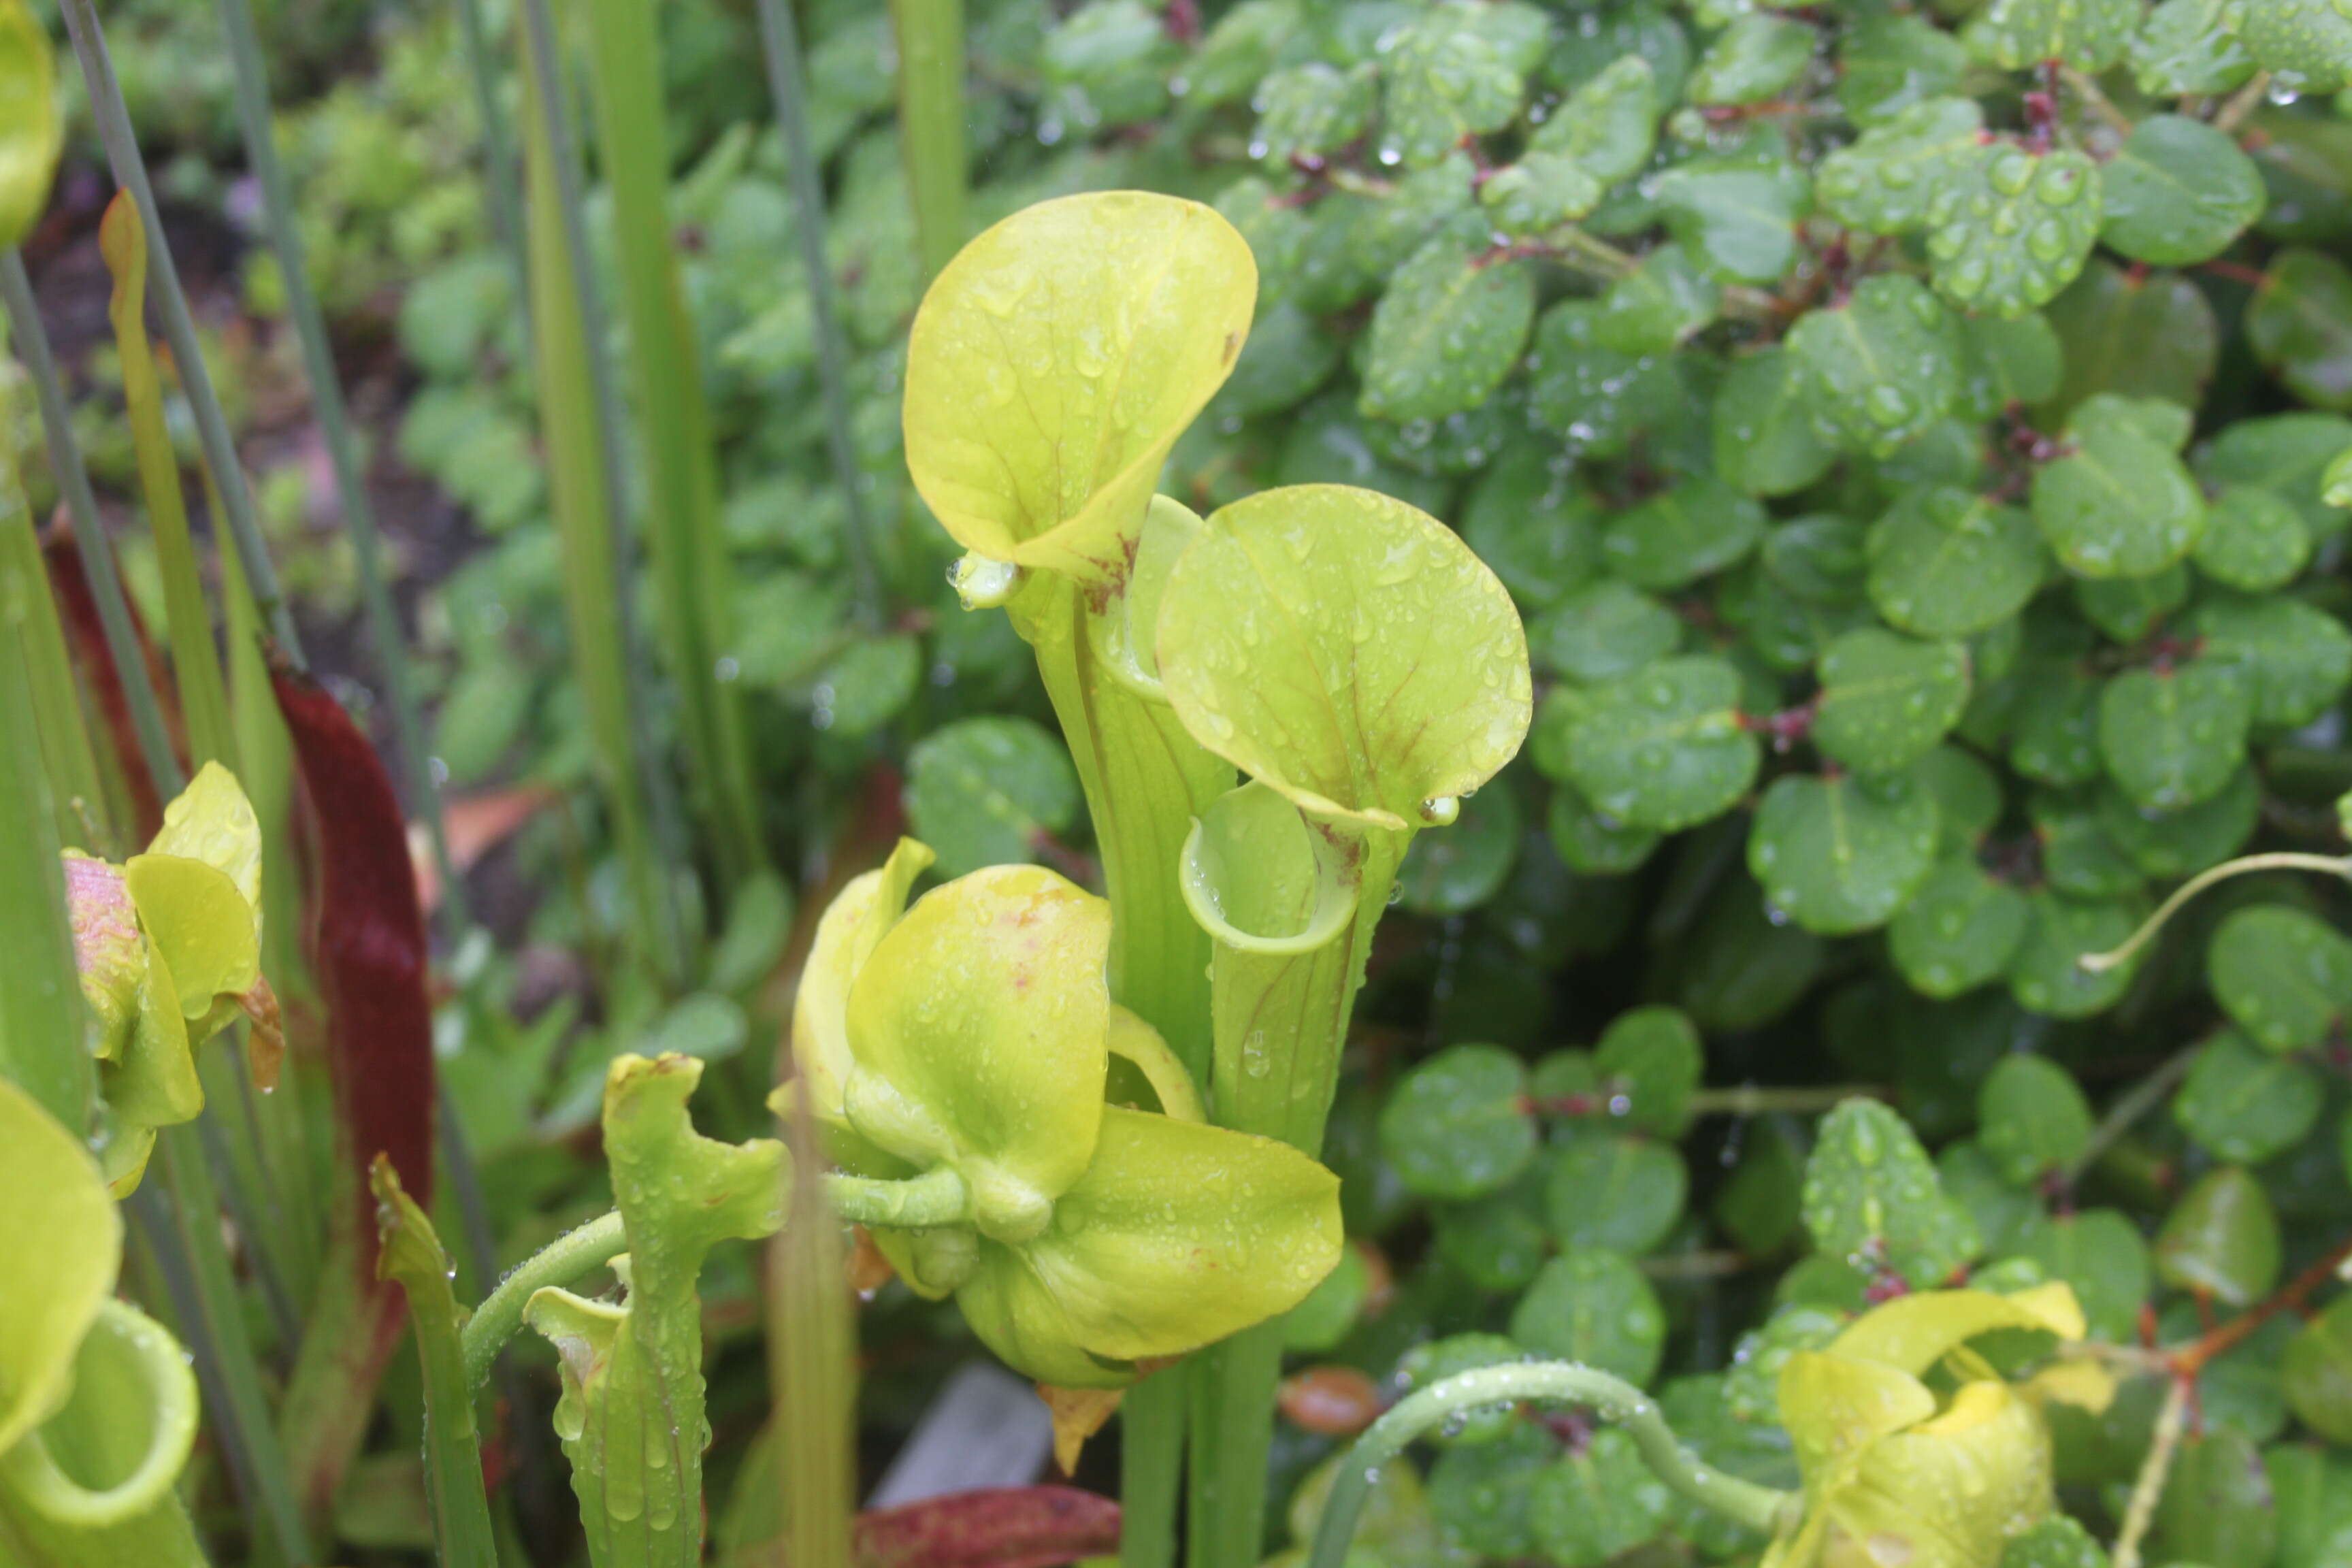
{"points": [[1144, 779], [41, 1021], [183, 1224], [267, 749], [499, 183], [813, 1348], [1610, 1399], [453, 1455], [343, 446], [560, 1263], [196, 658], [67, 756], [32, 345], [1281, 1026], [580, 421], [114, 130], [930, 124], [684, 544], [786, 82]]}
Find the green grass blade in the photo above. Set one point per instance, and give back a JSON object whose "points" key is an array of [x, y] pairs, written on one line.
{"points": [[500, 184], [195, 659], [130, 168], [41, 1025], [683, 543], [83, 818], [32, 344], [788, 83], [813, 1348], [580, 422], [930, 123], [453, 1455], [343, 446]]}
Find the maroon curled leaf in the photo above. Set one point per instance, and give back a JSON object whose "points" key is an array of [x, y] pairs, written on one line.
{"points": [[1008, 1527], [368, 944]]}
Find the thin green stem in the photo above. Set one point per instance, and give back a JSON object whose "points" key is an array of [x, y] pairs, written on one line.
{"points": [[182, 1226], [937, 1197], [32, 345], [342, 445], [680, 522], [930, 124], [41, 1016], [568, 261], [2124, 1113], [130, 168], [787, 83], [1613, 1399], [2280, 860], [2241, 103], [812, 1352], [2148, 1486], [501, 185], [1750, 1100], [78, 796], [560, 1263], [411, 1254]]}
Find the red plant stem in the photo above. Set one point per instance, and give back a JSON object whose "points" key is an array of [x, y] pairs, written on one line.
{"points": [[2193, 1359], [1013, 1527]]}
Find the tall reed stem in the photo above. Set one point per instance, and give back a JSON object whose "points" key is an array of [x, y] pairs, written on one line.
{"points": [[32, 344], [683, 542], [130, 168], [930, 124], [580, 412], [787, 83]]}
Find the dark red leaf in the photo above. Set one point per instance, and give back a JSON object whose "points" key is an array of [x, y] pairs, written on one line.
{"points": [[1010, 1527], [368, 944]]}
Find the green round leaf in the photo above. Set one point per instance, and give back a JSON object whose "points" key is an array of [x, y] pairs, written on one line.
{"points": [[1741, 218], [1653, 1058], [2180, 191], [1842, 855], [2099, 1253], [1453, 869], [1959, 932], [1603, 633], [2183, 48], [1532, 525], [1889, 61], [2255, 540], [2033, 1118], [1446, 79], [1592, 1305], [1879, 369], [2244, 1104], [1755, 58], [2284, 976], [1657, 305], [1312, 108], [1596, 397], [1765, 443], [2078, 858], [1882, 182], [1872, 1198], [2173, 737], [2047, 977], [1588, 842], [2300, 325], [2054, 729], [2009, 226], [1887, 699], [1682, 534], [2136, 335], [1968, 794], [1498, 1243], [1597, 1504], [2167, 845], [2060, 1542], [2128, 608], [1665, 749], [1457, 1126], [1945, 563], [1611, 1191], [1446, 332], [2296, 658], [1610, 123], [2090, 35], [867, 687], [2120, 503], [1330, 1310], [2221, 1238], [2316, 1373], [982, 792], [2287, 454], [2306, 45], [1479, 1494]]}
